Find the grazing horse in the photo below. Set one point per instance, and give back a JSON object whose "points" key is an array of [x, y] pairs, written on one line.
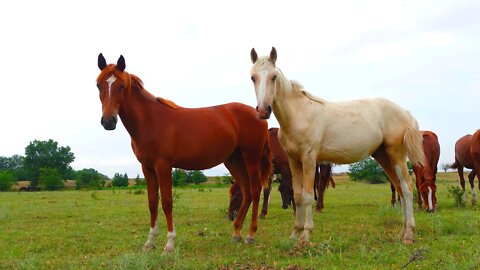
{"points": [[165, 136], [426, 175], [316, 130], [280, 166], [467, 155]]}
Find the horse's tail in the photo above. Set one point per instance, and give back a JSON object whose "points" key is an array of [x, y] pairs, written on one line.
{"points": [[413, 140], [454, 165], [266, 168]]}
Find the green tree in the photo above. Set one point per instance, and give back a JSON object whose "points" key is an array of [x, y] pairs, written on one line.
{"points": [[89, 178], [14, 164], [198, 177], [179, 177], [50, 179], [47, 154], [368, 170], [120, 180], [6, 180]]}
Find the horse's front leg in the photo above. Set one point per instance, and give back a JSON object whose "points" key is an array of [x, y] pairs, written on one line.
{"points": [[297, 185], [152, 189], [164, 176], [309, 168]]}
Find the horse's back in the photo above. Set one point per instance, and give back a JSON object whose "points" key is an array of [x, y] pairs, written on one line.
{"points": [[431, 147], [462, 151], [475, 147]]}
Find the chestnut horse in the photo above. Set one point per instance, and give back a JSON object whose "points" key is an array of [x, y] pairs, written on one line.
{"points": [[426, 175], [280, 166], [165, 136], [467, 155], [315, 130]]}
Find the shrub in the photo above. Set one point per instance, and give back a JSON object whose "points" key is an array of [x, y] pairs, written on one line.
{"points": [[50, 179], [368, 170], [6, 180], [458, 195], [120, 180]]}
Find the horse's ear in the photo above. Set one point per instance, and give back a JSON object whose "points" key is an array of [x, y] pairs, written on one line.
{"points": [[253, 55], [121, 63], [101, 62], [273, 55]]}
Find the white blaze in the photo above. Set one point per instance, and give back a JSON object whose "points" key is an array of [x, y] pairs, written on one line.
{"points": [[110, 81], [430, 203]]}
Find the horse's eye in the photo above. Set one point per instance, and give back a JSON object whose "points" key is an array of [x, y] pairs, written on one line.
{"points": [[274, 77], [253, 79], [121, 87], [98, 86]]}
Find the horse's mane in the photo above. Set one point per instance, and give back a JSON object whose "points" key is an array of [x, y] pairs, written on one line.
{"points": [[297, 86], [138, 83]]}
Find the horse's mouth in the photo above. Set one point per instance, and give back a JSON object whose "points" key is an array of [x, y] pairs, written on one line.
{"points": [[109, 123]]}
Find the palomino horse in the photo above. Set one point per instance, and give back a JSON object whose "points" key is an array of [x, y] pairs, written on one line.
{"points": [[280, 166], [166, 136], [315, 130], [467, 154], [426, 175]]}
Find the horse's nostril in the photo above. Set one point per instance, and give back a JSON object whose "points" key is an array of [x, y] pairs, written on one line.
{"points": [[256, 108], [269, 109]]}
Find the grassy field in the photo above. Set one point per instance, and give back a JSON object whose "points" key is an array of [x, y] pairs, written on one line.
{"points": [[107, 229]]}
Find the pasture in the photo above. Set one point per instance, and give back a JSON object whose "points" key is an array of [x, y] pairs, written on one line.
{"points": [[358, 230]]}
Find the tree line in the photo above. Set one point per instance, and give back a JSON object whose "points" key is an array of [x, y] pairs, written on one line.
{"points": [[47, 165]]}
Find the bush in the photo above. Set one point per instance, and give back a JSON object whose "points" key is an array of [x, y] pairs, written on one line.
{"points": [[89, 178], [50, 179], [198, 177], [368, 170], [119, 180], [458, 195], [6, 180], [139, 181], [179, 177]]}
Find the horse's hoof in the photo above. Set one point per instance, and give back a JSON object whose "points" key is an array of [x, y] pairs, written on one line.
{"points": [[262, 216], [408, 241], [147, 247], [249, 240], [168, 249], [236, 239]]}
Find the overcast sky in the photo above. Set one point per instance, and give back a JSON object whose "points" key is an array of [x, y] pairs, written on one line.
{"points": [[423, 55]]}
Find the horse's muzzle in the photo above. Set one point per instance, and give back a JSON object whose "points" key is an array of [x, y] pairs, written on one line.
{"points": [[264, 112], [109, 123]]}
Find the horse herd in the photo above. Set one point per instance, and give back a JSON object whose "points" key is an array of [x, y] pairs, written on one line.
{"points": [[313, 134]]}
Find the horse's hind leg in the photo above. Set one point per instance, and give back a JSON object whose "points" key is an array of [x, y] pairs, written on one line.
{"points": [[266, 199], [323, 177], [152, 189], [395, 167], [471, 179], [237, 169]]}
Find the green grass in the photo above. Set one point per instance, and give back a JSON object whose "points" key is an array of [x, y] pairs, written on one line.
{"points": [[107, 229]]}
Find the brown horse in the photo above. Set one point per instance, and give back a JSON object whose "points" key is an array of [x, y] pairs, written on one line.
{"points": [[165, 136], [280, 166], [467, 155], [426, 175]]}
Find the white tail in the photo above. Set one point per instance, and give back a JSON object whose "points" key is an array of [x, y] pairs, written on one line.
{"points": [[413, 140]]}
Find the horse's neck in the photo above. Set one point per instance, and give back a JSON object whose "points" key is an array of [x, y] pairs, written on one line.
{"points": [[140, 105], [288, 100]]}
